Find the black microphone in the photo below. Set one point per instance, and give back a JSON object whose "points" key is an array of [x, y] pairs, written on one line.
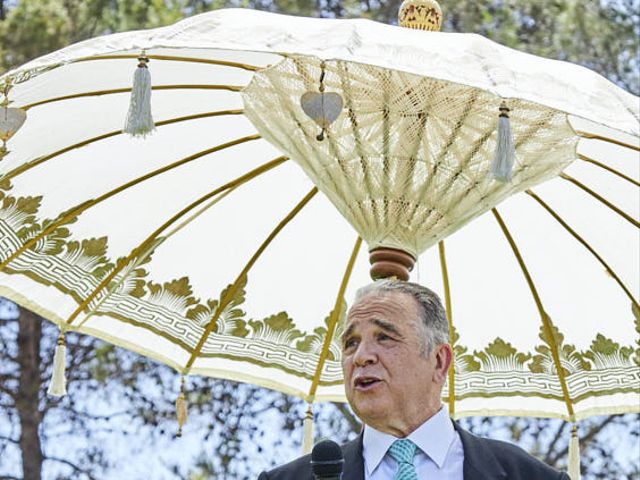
{"points": [[327, 461]]}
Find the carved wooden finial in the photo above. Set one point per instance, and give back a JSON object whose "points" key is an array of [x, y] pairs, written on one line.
{"points": [[421, 15], [390, 262]]}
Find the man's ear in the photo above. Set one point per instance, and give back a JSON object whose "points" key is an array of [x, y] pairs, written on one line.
{"points": [[443, 357]]}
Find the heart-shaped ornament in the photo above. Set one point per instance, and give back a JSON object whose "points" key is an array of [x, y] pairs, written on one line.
{"points": [[322, 108], [11, 119]]}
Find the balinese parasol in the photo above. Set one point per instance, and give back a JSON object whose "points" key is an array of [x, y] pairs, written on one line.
{"points": [[201, 245]]}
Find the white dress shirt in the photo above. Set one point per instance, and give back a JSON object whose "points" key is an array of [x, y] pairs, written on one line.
{"points": [[439, 455]]}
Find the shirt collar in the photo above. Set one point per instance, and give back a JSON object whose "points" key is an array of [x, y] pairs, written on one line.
{"points": [[433, 437]]}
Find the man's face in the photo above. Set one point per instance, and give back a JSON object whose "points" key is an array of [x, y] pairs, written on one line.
{"points": [[391, 382]]}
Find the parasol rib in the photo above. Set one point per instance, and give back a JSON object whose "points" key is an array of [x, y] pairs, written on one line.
{"points": [[284, 104], [609, 169], [346, 88], [150, 248], [624, 215], [71, 214], [386, 132], [408, 174], [585, 244], [333, 320], [447, 301], [443, 215], [546, 321], [173, 58], [142, 248], [236, 284], [525, 138], [421, 121], [459, 173], [113, 91], [304, 73], [593, 136], [466, 111], [29, 165]]}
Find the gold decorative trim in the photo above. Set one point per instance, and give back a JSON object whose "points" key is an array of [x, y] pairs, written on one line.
{"points": [[113, 91], [236, 284], [616, 410], [171, 58], [240, 376], [546, 321], [584, 243], [593, 136], [603, 200], [331, 327], [29, 165], [141, 249], [79, 209], [447, 301], [237, 376], [571, 417], [110, 289], [609, 169]]}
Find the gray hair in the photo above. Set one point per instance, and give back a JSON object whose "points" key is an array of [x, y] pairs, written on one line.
{"points": [[432, 314]]}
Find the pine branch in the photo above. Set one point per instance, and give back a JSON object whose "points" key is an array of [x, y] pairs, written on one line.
{"points": [[6, 356], [9, 439], [354, 423], [584, 441], [552, 444], [4, 389], [75, 467]]}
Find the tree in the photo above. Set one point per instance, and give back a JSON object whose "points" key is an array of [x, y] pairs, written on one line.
{"points": [[601, 35], [115, 395], [36, 423]]}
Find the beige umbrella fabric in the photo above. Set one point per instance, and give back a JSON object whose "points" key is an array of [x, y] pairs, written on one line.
{"points": [[226, 242]]}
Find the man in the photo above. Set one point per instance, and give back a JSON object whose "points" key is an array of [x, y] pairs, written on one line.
{"points": [[395, 358]]}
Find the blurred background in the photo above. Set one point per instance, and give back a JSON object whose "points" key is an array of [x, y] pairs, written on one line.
{"points": [[118, 420]]}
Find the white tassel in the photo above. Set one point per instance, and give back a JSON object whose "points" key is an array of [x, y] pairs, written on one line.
{"points": [[574, 455], [505, 154], [139, 121], [181, 408], [58, 385], [307, 439]]}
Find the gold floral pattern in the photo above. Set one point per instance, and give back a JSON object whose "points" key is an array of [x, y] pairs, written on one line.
{"points": [[177, 310]]}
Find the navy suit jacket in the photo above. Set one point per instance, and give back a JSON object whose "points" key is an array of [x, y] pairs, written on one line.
{"points": [[484, 459]]}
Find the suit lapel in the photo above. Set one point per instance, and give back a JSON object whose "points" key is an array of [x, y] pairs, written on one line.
{"points": [[353, 460], [479, 461]]}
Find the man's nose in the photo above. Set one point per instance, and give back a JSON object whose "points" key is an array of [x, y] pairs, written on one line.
{"points": [[365, 354]]}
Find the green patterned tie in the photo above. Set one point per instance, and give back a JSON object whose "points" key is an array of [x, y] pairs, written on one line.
{"points": [[403, 451]]}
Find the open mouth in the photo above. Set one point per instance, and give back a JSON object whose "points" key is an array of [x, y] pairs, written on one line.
{"points": [[365, 383]]}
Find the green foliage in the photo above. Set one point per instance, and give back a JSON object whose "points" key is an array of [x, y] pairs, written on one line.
{"points": [[601, 35], [35, 27]]}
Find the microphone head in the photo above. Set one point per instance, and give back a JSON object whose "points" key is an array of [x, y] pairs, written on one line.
{"points": [[327, 460]]}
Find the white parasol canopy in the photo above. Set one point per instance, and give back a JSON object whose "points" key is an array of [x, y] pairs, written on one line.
{"points": [[136, 241]]}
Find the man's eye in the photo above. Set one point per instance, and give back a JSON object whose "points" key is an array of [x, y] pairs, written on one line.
{"points": [[349, 343], [384, 336]]}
